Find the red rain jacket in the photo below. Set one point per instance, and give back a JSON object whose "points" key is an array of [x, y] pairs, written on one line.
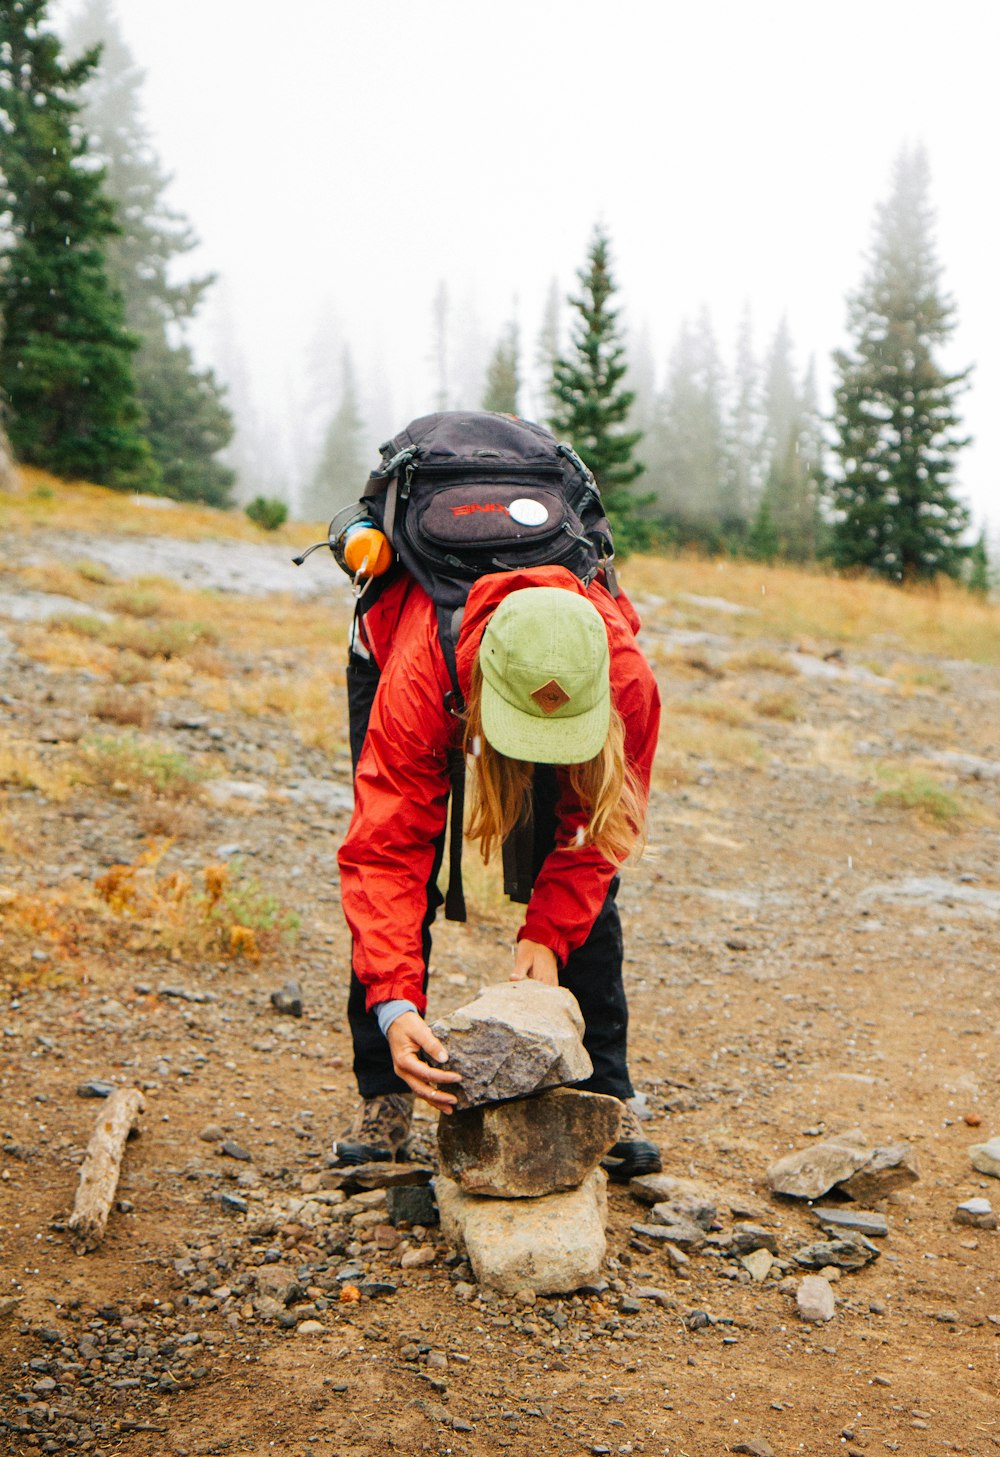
{"points": [[401, 785]]}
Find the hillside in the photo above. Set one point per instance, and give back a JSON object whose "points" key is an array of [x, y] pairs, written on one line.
{"points": [[811, 947]]}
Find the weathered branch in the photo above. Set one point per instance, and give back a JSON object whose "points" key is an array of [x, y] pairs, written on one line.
{"points": [[102, 1166]]}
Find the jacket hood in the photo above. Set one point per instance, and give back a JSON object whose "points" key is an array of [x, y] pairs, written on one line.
{"points": [[486, 596]]}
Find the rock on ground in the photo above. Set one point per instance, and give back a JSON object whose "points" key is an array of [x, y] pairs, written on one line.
{"points": [[814, 1171], [530, 1147], [687, 1197], [986, 1157], [552, 1245], [515, 1039], [884, 1171], [814, 1299]]}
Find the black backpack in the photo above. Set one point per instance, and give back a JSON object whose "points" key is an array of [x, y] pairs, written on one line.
{"points": [[460, 495]]}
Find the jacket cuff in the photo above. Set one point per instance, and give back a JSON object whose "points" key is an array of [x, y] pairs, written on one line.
{"points": [[399, 989], [532, 930], [387, 1012]]}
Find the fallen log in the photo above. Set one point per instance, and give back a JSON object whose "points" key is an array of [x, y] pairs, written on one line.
{"points": [[102, 1165]]}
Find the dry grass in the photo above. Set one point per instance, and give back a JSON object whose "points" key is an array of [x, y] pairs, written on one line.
{"points": [[139, 908], [761, 660], [146, 639], [314, 705], [125, 764], [716, 710], [22, 768], [785, 706], [43, 500], [128, 710], [708, 742], [793, 602], [924, 795]]}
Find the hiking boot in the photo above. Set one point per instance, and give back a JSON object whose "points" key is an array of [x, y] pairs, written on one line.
{"points": [[378, 1131], [632, 1154]]}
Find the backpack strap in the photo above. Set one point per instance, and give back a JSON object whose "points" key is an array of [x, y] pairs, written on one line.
{"points": [[449, 625], [454, 901]]}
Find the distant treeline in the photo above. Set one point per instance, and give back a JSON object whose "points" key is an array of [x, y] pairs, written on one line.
{"points": [[99, 381]]}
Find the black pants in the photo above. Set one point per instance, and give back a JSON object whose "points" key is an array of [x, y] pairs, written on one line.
{"points": [[593, 973]]}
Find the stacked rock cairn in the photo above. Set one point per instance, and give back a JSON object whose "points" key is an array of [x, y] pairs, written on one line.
{"points": [[521, 1189]]}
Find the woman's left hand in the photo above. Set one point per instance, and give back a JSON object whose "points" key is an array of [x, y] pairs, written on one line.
{"points": [[535, 962]]}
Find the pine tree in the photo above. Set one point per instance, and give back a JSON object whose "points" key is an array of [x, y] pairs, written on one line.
{"points": [[546, 354], [791, 487], [744, 451], [65, 356], [503, 382], [687, 450], [980, 578], [343, 465], [896, 420], [187, 419], [591, 404]]}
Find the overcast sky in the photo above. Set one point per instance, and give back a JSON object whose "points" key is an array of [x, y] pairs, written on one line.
{"points": [[339, 158]]}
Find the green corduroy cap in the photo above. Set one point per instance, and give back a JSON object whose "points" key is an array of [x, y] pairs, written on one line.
{"points": [[546, 685]]}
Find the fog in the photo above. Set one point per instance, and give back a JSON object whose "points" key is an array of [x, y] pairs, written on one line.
{"points": [[342, 161]]}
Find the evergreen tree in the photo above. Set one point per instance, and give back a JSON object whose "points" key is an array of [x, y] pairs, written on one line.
{"points": [[503, 382], [744, 448], [546, 354], [687, 452], [591, 403], [343, 465], [791, 487], [763, 542], [187, 420], [65, 356], [980, 576], [896, 419]]}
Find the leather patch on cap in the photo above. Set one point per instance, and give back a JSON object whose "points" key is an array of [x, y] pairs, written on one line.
{"points": [[550, 696]]}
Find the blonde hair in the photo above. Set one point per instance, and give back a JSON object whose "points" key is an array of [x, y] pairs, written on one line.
{"points": [[605, 786]]}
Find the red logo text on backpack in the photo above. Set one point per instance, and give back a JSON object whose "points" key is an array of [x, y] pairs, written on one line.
{"points": [[479, 506]]}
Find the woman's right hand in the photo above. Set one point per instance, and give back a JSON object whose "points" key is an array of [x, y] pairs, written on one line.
{"points": [[408, 1036]]}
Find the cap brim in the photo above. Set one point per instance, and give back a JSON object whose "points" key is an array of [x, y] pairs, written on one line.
{"points": [[536, 740]]}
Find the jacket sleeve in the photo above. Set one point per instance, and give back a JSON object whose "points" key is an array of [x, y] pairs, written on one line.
{"points": [[574, 881], [400, 807]]}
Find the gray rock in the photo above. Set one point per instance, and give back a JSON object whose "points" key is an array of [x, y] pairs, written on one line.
{"points": [[232, 1150], [746, 1238], [986, 1157], [687, 1197], [814, 1299], [846, 1254], [411, 1204], [673, 1227], [755, 1447], [875, 1226], [212, 1133], [514, 1039], [288, 1000], [95, 1088], [552, 1245], [380, 1175], [883, 1172], [814, 1171], [978, 1213], [278, 1282], [530, 1147], [758, 1263]]}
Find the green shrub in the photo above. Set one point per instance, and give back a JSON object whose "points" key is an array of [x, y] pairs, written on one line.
{"points": [[267, 512]]}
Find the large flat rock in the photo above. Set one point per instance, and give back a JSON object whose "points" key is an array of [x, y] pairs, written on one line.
{"points": [[551, 1245], [515, 1039], [530, 1147], [814, 1171]]}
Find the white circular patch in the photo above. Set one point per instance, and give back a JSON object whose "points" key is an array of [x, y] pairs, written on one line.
{"points": [[527, 512]]}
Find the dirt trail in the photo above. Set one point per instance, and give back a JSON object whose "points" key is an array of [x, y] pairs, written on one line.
{"points": [[801, 959]]}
